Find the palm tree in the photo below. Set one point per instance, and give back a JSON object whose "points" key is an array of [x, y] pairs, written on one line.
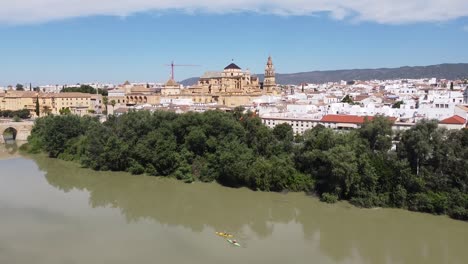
{"points": [[112, 102], [105, 101], [46, 110]]}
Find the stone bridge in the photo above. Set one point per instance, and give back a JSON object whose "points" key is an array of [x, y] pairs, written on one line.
{"points": [[23, 129]]}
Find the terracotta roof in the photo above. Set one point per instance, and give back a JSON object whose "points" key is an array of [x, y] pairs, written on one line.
{"points": [[454, 120], [359, 98], [232, 66], [351, 119], [64, 95]]}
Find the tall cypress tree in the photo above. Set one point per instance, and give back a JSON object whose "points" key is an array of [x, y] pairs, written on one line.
{"points": [[37, 106]]}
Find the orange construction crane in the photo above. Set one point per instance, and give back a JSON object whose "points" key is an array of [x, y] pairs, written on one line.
{"points": [[172, 65]]}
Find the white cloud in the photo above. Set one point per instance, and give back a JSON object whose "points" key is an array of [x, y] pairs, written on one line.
{"points": [[380, 11]]}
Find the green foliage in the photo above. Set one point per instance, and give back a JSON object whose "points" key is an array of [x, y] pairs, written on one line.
{"points": [[65, 111], [347, 99], [22, 114], [329, 198], [19, 87], [428, 172], [377, 133], [283, 132], [84, 89], [46, 110], [105, 101], [397, 104], [37, 110]]}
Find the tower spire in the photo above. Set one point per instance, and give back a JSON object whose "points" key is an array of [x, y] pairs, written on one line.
{"points": [[269, 83]]}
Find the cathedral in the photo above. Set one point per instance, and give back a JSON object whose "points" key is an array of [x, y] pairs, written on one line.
{"points": [[231, 87], [235, 81]]}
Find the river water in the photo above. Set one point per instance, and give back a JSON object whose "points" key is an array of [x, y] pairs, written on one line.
{"points": [[54, 212]]}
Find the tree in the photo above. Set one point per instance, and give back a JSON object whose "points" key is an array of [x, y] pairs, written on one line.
{"points": [[65, 111], [283, 132], [196, 141], [419, 143], [46, 110], [37, 106], [84, 89], [19, 87], [113, 102], [105, 101], [238, 112], [451, 86], [378, 133], [347, 99], [397, 104]]}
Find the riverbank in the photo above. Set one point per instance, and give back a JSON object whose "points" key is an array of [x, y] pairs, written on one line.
{"points": [[237, 150]]}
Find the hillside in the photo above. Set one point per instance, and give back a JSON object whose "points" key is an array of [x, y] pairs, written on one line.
{"points": [[440, 71]]}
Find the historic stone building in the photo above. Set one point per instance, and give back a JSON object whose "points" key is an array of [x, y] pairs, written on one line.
{"points": [[231, 81], [269, 82], [50, 103], [232, 87], [170, 88]]}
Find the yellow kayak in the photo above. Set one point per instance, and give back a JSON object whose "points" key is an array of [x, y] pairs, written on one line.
{"points": [[222, 234]]}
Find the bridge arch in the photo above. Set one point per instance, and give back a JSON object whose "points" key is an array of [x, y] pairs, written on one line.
{"points": [[9, 132], [21, 130]]}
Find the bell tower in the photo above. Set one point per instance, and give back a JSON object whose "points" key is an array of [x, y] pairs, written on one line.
{"points": [[269, 82]]}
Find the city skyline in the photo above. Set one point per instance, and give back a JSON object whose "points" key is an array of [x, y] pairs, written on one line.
{"points": [[133, 42]]}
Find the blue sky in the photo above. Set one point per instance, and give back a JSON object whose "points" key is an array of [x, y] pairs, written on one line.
{"points": [[114, 46]]}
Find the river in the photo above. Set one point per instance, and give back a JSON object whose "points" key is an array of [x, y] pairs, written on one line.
{"points": [[54, 212]]}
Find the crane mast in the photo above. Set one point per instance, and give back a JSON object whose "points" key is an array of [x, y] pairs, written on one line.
{"points": [[172, 65]]}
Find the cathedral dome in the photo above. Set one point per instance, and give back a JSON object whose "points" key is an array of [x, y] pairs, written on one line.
{"points": [[232, 66], [171, 82]]}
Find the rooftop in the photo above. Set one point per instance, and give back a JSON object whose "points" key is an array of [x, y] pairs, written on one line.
{"points": [[171, 82], [454, 120], [351, 119], [211, 74], [232, 66], [65, 95]]}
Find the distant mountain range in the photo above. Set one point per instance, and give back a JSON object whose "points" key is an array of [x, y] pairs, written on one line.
{"points": [[441, 71]]}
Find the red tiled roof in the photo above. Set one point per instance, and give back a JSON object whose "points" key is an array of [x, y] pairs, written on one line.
{"points": [[359, 98], [454, 120], [352, 119]]}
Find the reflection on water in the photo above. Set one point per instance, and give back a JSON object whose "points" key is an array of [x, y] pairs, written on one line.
{"points": [[274, 228], [10, 148]]}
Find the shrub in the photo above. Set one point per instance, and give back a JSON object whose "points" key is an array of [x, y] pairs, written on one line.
{"points": [[329, 198]]}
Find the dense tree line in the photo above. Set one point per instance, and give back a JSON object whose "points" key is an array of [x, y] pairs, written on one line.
{"points": [[427, 172], [23, 113], [84, 89]]}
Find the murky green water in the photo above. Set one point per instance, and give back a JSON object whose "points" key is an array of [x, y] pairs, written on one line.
{"points": [[55, 212]]}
